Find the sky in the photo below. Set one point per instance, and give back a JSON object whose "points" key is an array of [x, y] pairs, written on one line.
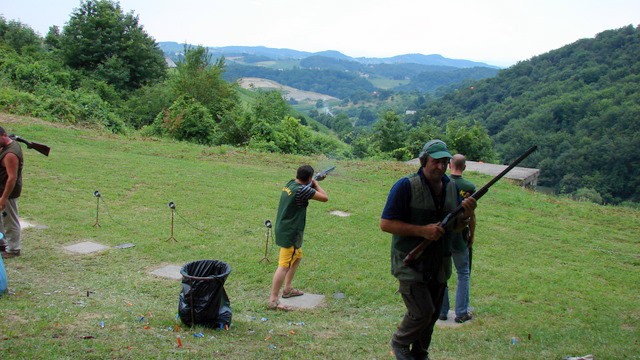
{"points": [[496, 32]]}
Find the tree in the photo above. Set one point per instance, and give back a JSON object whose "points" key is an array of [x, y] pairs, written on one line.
{"points": [[389, 132], [19, 36], [99, 36], [471, 139], [196, 78]]}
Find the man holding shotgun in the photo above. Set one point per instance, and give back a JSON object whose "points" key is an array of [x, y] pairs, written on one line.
{"points": [[10, 188], [290, 224], [415, 206]]}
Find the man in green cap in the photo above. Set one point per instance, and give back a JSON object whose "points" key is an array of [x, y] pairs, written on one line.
{"points": [[415, 206]]}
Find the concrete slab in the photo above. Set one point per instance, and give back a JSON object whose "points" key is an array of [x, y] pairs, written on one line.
{"points": [[451, 322], [306, 301], [168, 271], [25, 225], [124, 246], [85, 247], [340, 213]]}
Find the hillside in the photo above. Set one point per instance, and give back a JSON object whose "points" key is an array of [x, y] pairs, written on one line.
{"points": [[579, 103], [341, 76], [531, 260]]}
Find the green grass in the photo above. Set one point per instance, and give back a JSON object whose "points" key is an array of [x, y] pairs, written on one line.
{"points": [[386, 83], [564, 272]]}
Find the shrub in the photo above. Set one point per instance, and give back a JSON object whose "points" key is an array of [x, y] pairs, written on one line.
{"points": [[146, 103], [18, 102], [189, 120], [587, 194]]}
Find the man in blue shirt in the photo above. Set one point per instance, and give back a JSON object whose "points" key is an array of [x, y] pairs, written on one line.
{"points": [[415, 206]]}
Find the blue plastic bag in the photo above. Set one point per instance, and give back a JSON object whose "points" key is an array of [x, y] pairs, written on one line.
{"points": [[3, 278], [3, 273]]}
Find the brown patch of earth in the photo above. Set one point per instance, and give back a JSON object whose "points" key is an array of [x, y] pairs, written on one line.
{"points": [[287, 91]]}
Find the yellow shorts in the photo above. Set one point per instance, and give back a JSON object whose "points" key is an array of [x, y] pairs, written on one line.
{"points": [[288, 256]]}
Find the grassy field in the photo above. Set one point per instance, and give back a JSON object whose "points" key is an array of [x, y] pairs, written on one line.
{"points": [[386, 83], [561, 276]]}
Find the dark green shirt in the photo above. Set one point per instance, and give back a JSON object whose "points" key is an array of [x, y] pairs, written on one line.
{"points": [[466, 188], [292, 214], [14, 148]]}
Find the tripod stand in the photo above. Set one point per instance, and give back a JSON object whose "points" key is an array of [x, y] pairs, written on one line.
{"points": [[172, 206], [97, 196], [267, 223]]}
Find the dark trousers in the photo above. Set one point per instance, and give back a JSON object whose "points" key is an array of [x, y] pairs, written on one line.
{"points": [[423, 302]]}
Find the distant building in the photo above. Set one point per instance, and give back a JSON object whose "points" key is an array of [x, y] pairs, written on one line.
{"points": [[525, 177], [410, 112]]}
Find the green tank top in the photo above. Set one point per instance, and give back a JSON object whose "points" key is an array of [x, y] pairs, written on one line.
{"points": [[291, 218], [14, 148]]}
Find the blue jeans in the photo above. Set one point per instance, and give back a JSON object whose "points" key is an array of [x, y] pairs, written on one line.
{"points": [[461, 262]]}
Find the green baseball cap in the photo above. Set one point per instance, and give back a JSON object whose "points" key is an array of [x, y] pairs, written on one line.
{"points": [[437, 149]]}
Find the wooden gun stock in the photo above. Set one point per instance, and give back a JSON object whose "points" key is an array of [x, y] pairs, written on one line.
{"points": [[41, 148], [417, 251]]}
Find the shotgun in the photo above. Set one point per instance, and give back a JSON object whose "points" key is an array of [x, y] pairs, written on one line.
{"points": [[41, 148], [323, 174], [417, 251]]}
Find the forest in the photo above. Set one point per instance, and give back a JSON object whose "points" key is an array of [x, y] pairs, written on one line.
{"points": [[580, 104]]}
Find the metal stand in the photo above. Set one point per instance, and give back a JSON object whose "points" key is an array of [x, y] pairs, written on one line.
{"points": [[173, 211], [97, 223], [266, 244]]}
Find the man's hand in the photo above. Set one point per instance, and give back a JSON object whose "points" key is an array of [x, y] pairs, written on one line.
{"points": [[469, 205], [432, 232]]}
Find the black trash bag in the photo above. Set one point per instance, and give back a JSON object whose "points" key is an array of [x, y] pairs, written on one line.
{"points": [[203, 300]]}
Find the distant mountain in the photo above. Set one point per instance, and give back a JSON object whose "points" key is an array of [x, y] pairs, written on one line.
{"points": [[172, 49], [434, 59], [333, 73]]}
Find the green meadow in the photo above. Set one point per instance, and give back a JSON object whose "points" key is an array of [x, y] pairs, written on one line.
{"points": [[560, 276]]}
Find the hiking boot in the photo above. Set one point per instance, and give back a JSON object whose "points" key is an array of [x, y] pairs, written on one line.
{"points": [[464, 318], [9, 255], [419, 353], [401, 352], [442, 317]]}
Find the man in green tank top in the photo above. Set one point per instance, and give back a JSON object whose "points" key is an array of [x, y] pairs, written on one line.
{"points": [[11, 161], [289, 230]]}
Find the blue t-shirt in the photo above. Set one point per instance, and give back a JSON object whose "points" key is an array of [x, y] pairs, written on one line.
{"points": [[397, 206]]}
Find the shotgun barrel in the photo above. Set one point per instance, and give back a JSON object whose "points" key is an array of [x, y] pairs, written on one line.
{"points": [[417, 251]]}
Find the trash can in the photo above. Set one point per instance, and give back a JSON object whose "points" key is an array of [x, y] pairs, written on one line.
{"points": [[203, 300]]}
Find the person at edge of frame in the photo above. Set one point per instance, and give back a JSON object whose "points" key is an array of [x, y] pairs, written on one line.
{"points": [[11, 162]]}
